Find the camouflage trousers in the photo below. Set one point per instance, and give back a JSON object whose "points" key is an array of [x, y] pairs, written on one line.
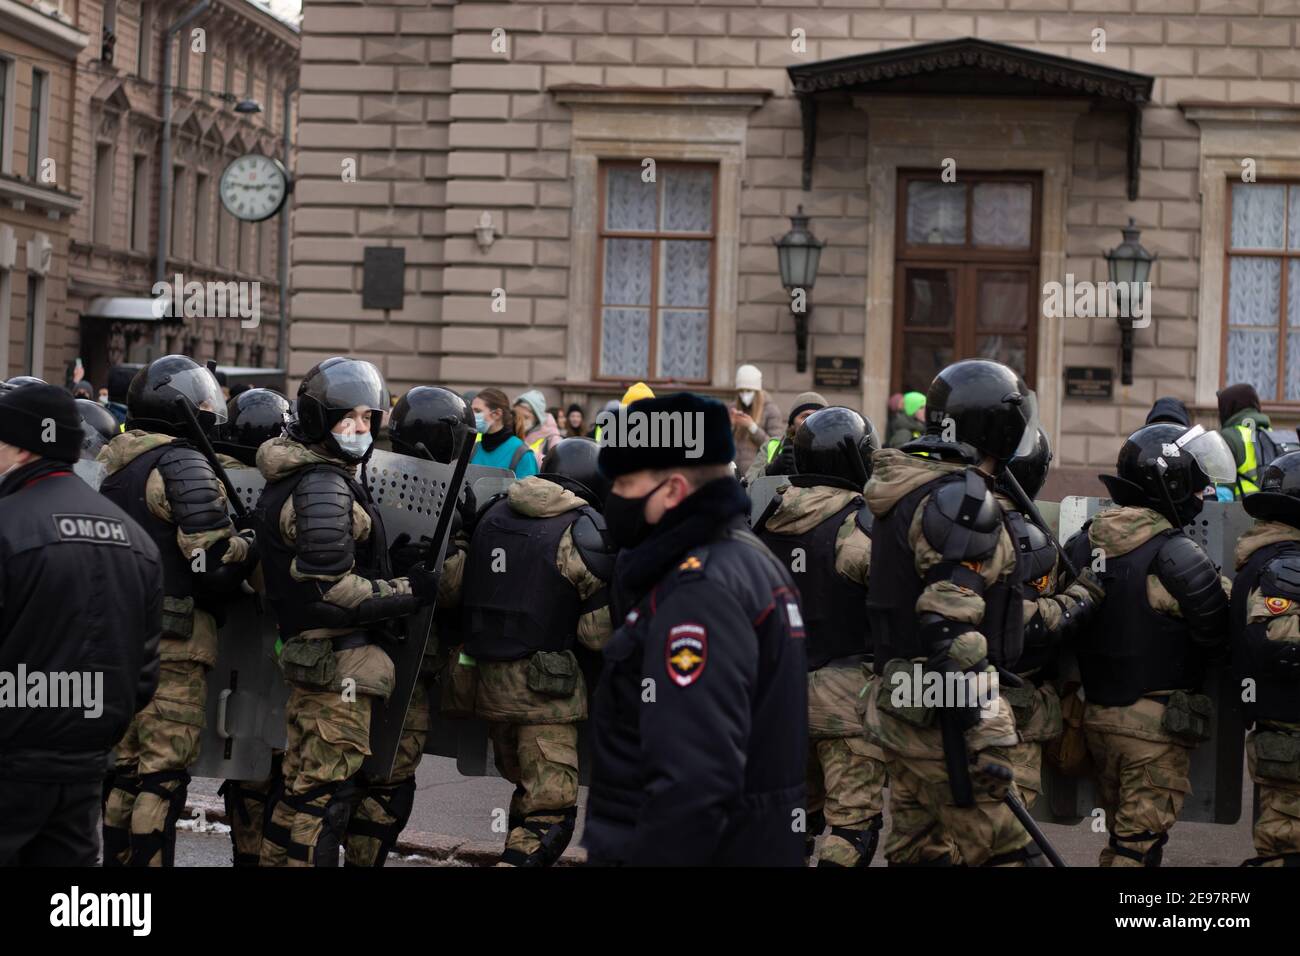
{"points": [[147, 792], [1277, 829], [928, 828], [381, 814], [1027, 764], [1037, 709], [328, 739], [846, 774], [541, 760], [246, 803], [1141, 784]]}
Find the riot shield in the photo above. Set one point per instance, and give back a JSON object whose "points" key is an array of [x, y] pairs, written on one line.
{"points": [[487, 482], [89, 471], [414, 496], [761, 491], [246, 692], [1216, 765]]}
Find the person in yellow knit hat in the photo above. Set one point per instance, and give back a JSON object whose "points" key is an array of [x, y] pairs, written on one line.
{"points": [[635, 392]]}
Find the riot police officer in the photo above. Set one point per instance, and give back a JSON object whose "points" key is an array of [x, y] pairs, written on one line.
{"points": [[1054, 607], [56, 534], [945, 607], [162, 481], [98, 427], [429, 423], [819, 527], [326, 566], [535, 589], [1265, 612], [254, 416], [1141, 656], [700, 717]]}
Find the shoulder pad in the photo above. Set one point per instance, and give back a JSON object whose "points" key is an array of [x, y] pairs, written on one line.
{"points": [[865, 520], [593, 544], [962, 519], [322, 504], [1281, 577], [193, 490], [1034, 549], [1190, 577]]}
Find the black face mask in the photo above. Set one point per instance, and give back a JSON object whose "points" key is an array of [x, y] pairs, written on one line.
{"points": [[625, 518]]}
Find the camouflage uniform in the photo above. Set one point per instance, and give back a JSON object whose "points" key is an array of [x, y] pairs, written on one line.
{"points": [[928, 828], [162, 741], [535, 737], [328, 719], [1277, 777], [385, 805], [1141, 769], [846, 774]]}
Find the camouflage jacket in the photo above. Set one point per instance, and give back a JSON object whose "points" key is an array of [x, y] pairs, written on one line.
{"points": [[503, 693], [894, 475], [1283, 625], [116, 455]]}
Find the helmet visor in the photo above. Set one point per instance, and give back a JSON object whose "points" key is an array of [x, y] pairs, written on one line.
{"points": [[1211, 452], [200, 387], [350, 385], [1029, 438]]}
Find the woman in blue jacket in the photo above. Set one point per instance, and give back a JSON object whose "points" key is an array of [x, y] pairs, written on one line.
{"points": [[498, 446]]}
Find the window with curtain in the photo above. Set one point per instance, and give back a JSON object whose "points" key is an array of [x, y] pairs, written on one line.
{"points": [[655, 271], [1262, 301], [967, 273]]}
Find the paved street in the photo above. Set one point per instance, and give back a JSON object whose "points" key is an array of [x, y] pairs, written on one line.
{"points": [[448, 804]]}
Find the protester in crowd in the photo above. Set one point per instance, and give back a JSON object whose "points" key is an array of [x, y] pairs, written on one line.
{"points": [[1171, 410], [1242, 427], [755, 417], [777, 455], [498, 446], [908, 421], [574, 422]]}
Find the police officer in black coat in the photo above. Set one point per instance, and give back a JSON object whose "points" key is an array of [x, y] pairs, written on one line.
{"points": [[80, 606], [701, 714]]}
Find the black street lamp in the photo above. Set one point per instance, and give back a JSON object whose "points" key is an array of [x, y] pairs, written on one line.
{"points": [[798, 254], [1129, 263]]}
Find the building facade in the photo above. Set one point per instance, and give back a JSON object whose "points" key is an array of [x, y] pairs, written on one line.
{"points": [[586, 194], [230, 51], [81, 187], [38, 54]]}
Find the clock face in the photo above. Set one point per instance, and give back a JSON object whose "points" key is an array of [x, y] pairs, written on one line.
{"points": [[253, 187]]}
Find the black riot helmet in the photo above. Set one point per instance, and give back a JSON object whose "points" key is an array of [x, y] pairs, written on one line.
{"points": [[151, 397], [254, 416], [1278, 498], [1030, 469], [1168, 468], [975, 408], [329, 392], [572, 464], [836, 442], [18, 381], [98, 426], [430, 421]]}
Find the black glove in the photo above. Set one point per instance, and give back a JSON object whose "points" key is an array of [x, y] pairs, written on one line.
{"points": [[783, 462], [991, 772], [424, 579], [467, 508], [403, 553]]}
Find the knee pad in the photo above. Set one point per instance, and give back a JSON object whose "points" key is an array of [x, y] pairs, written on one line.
{"points": [[334, 822], [397, 800], [143, 847], [553, 837], [1029, 855], [1154, 854], [117, 840], [864, 840]]}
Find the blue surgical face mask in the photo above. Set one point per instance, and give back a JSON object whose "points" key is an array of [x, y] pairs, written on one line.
{"points": [[480, 423], [354, 446]]}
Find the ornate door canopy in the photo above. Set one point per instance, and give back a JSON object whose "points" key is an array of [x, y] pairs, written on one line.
{"points": [[970, 67]]}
